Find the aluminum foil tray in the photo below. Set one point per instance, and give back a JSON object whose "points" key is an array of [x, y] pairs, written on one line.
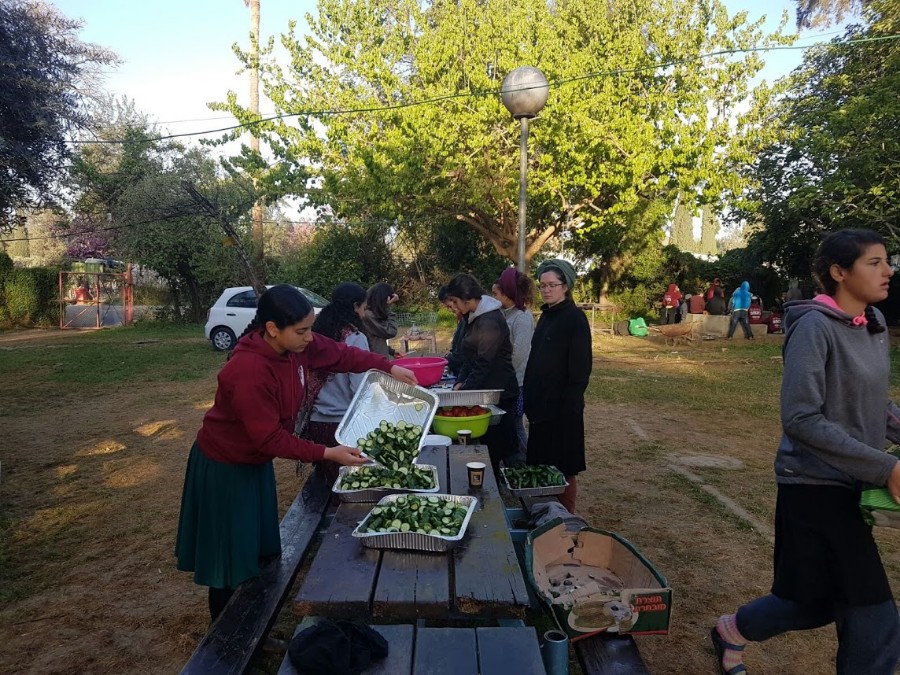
{"points": [[473, 397], [381, 397], [417, 541], [374, 494], [497, 414], [534, 492]]}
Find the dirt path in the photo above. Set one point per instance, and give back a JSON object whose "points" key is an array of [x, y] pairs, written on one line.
{"points": [[98, 505]]}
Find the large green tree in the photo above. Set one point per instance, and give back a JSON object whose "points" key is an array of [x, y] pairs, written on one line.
{"points": [[634, 115], [46, 76], [169, 208], [683, 228], [837, 163]]}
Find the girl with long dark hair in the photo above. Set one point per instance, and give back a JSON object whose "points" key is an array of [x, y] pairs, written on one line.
{"points": [[835, 416], [379, 321], [331, 393], [229, 509]]}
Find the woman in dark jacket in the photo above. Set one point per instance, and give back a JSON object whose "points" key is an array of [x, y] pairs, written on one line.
{"points": [[487, 359], [556, 377], [379, 321]]}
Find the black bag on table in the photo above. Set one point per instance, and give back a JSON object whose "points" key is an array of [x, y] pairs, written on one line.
{"points": [[336, 648]]}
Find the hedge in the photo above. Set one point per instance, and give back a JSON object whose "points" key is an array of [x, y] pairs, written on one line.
{"points": [[29, 297]]}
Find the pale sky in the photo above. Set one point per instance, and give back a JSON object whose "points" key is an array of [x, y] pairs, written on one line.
{"points": [[177, 53]]}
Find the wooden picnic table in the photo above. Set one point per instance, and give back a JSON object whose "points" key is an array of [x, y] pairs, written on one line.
{"points": [[480, 578]]}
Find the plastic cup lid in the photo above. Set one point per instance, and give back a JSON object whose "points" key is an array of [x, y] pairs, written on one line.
{"points": [[437, 439]]}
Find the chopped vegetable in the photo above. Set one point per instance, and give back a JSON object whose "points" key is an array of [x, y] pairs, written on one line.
{"points": [[394, 447], [538, 476], [371, 477], [411, 513]]}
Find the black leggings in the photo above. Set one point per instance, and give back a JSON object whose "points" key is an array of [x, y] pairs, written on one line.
{"points": [[218, 598]]}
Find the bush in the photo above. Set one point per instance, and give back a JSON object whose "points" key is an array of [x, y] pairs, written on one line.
{"points": [[6, 264], [29, 297]]}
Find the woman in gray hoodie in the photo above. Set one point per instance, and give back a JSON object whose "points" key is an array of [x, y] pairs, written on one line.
{"points": [[515, 291], [835, 415]]}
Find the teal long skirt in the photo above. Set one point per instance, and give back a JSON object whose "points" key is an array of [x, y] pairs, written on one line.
{"points": [[228, 520]]}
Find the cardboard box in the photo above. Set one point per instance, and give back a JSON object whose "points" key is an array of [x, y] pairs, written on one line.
{"points": [[595, 581]]}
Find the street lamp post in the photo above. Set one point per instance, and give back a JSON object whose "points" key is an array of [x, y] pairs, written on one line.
{"points": [[524, 94]]}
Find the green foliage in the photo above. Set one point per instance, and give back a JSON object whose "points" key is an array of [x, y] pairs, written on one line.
{"points": [[30, 297], [6, 265], [709, 230], [46, 75], [605, 151], [835, 163], [140, 183], [683, 229], [340, 252]]}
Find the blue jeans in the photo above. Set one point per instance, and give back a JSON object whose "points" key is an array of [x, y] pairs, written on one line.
{"points": [[739, 316], [868, 635]]}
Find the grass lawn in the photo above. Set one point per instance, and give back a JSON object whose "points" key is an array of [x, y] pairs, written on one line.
{"points": [[97, 426]]}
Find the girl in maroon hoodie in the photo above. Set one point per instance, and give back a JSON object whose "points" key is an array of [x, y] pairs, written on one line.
{"points": [[229, 509], [671, 299]]}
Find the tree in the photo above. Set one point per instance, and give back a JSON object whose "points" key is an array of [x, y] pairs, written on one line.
{"points": [[813, 13], [835, 165], [168, 208], [45, 74], [683, 228], [709, 228], [607, 150], [342, 252]]}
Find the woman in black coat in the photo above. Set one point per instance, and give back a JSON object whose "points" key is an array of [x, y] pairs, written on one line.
{"points": [[556, 377], [487, 359]]}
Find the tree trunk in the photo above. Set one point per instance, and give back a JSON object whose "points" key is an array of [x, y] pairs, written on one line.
{"points": [[211, 211]]}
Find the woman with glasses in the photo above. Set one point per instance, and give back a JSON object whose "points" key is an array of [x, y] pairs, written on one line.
{"points": [[556, 376]]}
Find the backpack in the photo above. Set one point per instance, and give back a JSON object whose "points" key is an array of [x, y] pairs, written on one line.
{"points": [[638, 327]]}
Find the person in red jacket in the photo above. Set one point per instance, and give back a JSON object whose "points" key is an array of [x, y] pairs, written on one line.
{"points": [[229, 509], [671, 299]]}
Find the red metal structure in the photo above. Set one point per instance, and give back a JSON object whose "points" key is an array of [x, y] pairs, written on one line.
{"points": [[96, 299]]}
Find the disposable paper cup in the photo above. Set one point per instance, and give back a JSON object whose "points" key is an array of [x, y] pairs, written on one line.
{"points": [[463, 436], [476, 474]]}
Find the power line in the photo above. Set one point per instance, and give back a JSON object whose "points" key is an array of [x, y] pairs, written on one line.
{"points": [[483, 93]]}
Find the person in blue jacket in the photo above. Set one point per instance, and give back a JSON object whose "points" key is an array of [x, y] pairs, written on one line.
{"points": [[740, 303]]}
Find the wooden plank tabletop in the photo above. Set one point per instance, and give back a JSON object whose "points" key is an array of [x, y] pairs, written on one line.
{"points": [[347, 580], [488, 579], [339, 581], [412, 584]]}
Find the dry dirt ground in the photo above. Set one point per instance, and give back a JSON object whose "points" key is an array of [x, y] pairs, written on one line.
{"points": [[97, 485]]}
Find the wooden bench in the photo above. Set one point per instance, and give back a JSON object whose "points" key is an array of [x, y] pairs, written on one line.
{"points": [[419, 650], [235, 637], [604, 653]]}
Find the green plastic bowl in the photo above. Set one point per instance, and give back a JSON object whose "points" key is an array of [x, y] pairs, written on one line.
{"points": [[448, 426]]}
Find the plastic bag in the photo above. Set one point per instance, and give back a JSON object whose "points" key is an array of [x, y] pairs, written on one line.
{"points": [[638, 327]]}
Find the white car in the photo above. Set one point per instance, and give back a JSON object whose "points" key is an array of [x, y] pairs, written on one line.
{"points": [[235, 309]]}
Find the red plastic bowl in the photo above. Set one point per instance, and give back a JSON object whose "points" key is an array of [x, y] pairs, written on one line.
{"points": [[428, 369]]}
